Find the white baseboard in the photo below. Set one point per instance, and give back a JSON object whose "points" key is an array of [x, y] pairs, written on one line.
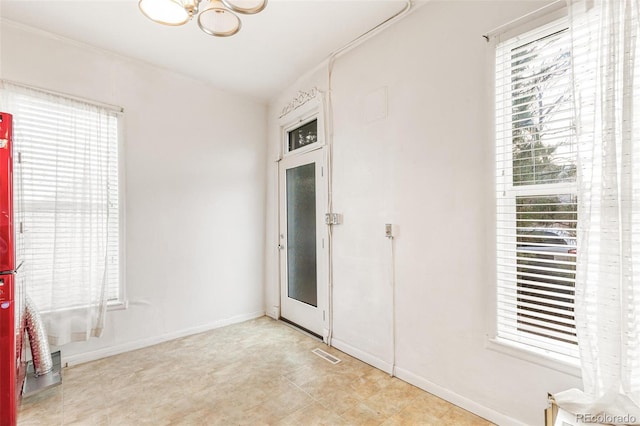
{"points": [[143, 343], [272, 315], [361, 355], [459, 400], [424, 384]]}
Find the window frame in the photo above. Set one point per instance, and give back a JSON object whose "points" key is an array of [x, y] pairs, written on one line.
{"points": [[300, 122], [121, 301], [312, 109], [521, 32]]}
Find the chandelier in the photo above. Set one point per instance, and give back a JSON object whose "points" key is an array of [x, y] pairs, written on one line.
{"points": [[216, 17]]}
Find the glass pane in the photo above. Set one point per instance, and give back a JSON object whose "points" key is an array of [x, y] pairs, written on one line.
{"points": [[301, 234], [542, 111], [546, 265], [303, 135]]}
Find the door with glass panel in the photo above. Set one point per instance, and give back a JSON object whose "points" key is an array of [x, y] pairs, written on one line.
{"points": [[303, 296]]}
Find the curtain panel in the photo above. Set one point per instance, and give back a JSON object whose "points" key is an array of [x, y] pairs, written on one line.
{"points": [[606, 62], [66, 200]]}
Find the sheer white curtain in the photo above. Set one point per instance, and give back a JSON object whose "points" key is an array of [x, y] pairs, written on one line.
{"points": [[66, 198], [606, 55]]}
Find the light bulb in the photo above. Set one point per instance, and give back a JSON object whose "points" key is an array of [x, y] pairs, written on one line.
{"points": [[167, 12]]}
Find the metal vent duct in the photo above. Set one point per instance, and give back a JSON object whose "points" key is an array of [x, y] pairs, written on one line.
{"points": [[38, 340]]}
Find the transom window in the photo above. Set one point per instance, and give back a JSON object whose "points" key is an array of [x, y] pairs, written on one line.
{"points": [[303, 135]]}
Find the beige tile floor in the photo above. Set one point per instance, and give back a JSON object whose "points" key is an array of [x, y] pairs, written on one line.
{"points": [[259, 372]]}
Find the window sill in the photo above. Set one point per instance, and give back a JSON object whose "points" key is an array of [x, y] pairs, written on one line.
{"points": [[543, 358], [118, 305]]}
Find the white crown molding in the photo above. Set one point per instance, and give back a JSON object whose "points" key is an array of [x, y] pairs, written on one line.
{"points": [[300, 99]]}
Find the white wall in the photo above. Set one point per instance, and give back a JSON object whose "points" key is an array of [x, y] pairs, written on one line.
{"points": [[427, 168], [194, 188]]}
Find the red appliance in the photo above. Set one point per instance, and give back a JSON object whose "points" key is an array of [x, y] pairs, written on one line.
{"points": [[12, 293]]}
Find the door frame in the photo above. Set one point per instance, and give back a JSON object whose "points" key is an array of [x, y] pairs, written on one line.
{"points": [[311, 110]]}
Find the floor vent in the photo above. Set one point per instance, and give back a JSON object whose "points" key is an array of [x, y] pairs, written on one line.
{"points": [[326, 356]]}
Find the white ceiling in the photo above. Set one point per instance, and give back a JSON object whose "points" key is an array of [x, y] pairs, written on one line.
{"points": [[272, 49]]}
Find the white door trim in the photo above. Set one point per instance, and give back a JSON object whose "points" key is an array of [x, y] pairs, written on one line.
{"points": [[292, 310]]}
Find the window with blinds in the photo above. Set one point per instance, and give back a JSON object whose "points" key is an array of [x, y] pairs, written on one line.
{"points": [[70, 198], [536, 191]]}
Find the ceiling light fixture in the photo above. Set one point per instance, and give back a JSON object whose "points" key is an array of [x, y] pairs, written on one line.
{"points": [[216, 18]]}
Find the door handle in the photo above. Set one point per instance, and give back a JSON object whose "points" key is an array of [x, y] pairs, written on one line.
{"points": [[280, 247]]}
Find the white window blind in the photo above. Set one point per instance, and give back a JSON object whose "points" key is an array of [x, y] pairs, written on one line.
{"points": [[536, 191], [69, 162]]}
